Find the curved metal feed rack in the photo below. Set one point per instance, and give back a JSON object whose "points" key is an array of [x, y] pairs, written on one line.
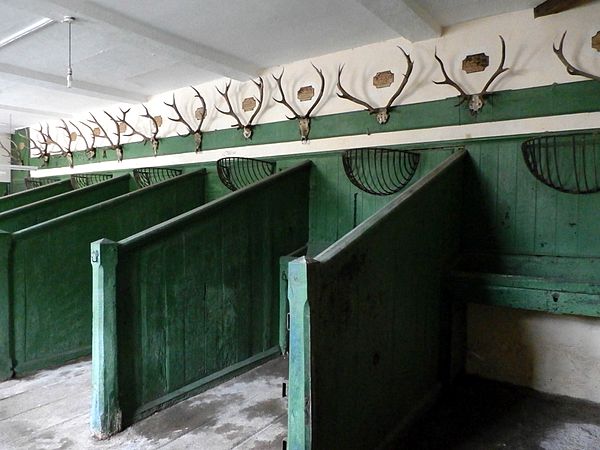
{"points": [[566, 162], [236, 172], [380, 171], [87, 179], [152, 175], [31, 183]]}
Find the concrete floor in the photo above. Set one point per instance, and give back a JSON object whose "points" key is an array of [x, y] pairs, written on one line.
{"points": [[50, 411], [484, 415]]}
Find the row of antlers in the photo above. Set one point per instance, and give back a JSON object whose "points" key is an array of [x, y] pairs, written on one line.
{"points": [[475, 103]]}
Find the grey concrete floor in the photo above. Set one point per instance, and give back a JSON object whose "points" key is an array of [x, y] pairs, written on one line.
{"points": [[50, 411], [478, 414]]}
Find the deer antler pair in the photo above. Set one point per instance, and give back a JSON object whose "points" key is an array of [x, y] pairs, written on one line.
{"points": [[475, 101], [16, 157], [196, 132], [90, 147], [303, 120], [383, 113], [153, 139], [570, 68], [247, 129], [115, 145]]}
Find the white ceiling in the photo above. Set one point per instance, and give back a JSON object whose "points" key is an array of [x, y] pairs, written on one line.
{"points": [[126, 51]]}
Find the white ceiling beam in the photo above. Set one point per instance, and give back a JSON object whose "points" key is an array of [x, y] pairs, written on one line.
{"points": [[144, 36], [58, 83], [35, 112], [406, 17]]}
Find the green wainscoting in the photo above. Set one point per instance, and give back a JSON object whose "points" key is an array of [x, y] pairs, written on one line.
{"points": [[195, 299], [24, 198], [49, 289], [367, 319]]}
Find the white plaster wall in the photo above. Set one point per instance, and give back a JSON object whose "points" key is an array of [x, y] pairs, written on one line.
{"points": [[550, 353], [4, 159], [529, 56]]}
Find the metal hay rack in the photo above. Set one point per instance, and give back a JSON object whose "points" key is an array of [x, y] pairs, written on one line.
{"points": [[380, 171], [87, 179], [236, 172], [31, 183], [152, 175], [566, 162]]}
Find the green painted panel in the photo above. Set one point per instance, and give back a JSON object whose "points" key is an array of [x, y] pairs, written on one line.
{"points": [[47, 209], [51, 271], [375, 300], [34, 195], [199, 294]]}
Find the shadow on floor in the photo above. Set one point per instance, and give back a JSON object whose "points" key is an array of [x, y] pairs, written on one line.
{"points": [[484, 415]]}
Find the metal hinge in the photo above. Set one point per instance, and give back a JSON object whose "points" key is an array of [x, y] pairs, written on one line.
{"points": [[288, 319]]}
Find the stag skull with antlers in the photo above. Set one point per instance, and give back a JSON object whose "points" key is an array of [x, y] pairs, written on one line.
{"points": [[90, 148], [475, 101], [152, 138], [44, 154], [303, 120], [381, 114], [196, 132], [67, 152], [13, 152], [247, 129], [115, 145], [570, 68]]}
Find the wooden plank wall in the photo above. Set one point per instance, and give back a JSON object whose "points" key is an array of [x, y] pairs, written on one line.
{"points": [[51, 273], [376, 316], [508, 211], [197, 297]]}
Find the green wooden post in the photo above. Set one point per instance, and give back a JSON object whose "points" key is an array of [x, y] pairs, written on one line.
{"points": [[6, 350], [299, 392], [283, 302], [105, 417]]}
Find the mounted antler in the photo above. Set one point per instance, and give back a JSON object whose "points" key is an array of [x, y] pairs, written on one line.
{"points": [[303, 120], [247, 129], [196, 132], [383, 113], [116, 146], [90, 149], [152, 139], [46, 140], [66, 152], [475, 101], [16, 156], [570, 68]]}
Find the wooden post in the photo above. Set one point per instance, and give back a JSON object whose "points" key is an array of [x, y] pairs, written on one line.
{"points": [[105, 417], [299, 391], [6, 343]]}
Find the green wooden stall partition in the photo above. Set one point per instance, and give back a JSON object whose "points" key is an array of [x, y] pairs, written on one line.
{"points": [[34, 195], [194, 300], [49, 208], [367, 322], [46, 290]]}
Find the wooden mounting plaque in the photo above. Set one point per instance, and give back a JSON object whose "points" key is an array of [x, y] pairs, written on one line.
{"points": [[97, 131], [122, 127], [159, 120], [73, 136], [248, 104], [383, 79], [475, 63], [305, 93], [596, 41], [199, 113]]}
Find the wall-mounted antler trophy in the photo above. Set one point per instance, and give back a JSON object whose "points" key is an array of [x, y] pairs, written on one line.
{"points": [[67, 152], [115, 145], [90, 146], [570, 68], [475, 101], [382, 114], [247, 129], [303, 120], [200, 115], [152, 138], [44, 154], [14, 152]]}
